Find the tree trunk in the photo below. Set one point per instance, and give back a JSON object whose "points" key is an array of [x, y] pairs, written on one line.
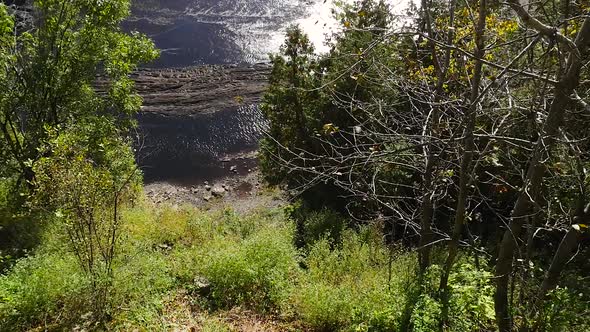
{"points": [[466, 163], [427, 205], [562, 256]]}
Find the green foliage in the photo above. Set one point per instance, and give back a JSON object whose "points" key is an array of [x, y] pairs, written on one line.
{"points": [[323, 224], [352, 287], [84, 182], [314, 102], [142, 279], [287, 103], [256, 272], [249, 260], [471, 303], [49, 288], [19, 232], [565, 310], [44, 288], [314, 225], [426, 314], [357, 284], [90, 174], [48, 76]]}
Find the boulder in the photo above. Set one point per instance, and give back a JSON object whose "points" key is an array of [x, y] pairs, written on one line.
{"points": [[218, 191], [202, 286]]}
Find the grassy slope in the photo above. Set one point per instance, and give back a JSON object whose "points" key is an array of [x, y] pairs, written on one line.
{"points": [[259, 280]]}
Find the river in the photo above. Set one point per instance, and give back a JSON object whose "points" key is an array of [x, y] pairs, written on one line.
{"points": [[188, 150]]}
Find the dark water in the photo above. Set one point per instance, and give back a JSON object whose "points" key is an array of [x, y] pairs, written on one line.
{"points": [[217, 31], [190, 150]]}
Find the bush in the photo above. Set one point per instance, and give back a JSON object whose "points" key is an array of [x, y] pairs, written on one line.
{"points": [[349, 288], [19, 232], [564, 310], [471, 305], [249, 260], [149, 226], [323, 224], [89, 173], [256, 271], [142, 279], [48, 288]]}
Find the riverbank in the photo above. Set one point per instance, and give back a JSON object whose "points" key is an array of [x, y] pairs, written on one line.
{"points": [[242, 189]]}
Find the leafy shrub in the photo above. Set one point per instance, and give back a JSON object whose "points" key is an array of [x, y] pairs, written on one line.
{"points": [[348, 288], [19, 232], [565, 310], [426, 314], [45, 288], [472, 299], [256, 271], [84, 183], [471, 305], [323, 224], [150, 226], [142, 279]]}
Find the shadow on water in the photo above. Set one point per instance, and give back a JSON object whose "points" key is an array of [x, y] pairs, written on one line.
{"points": [[191, 149]]}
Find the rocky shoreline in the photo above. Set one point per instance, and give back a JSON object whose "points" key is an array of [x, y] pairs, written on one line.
{"points": [[198, 90], [200, 127]]}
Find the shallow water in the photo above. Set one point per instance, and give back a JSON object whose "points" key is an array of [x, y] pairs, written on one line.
{"points": [[190, 150]]}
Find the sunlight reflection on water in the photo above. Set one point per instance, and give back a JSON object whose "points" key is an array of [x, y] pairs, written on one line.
{"points": [[234, 31]]}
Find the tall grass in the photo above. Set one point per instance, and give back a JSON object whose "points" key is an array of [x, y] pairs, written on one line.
{"points": [[215, 261]]}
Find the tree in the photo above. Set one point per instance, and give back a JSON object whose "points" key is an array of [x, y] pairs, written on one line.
{"points": [[86, 180], [455, 143], [48, 73], [286, 104], [570, 79], [64, 142]]}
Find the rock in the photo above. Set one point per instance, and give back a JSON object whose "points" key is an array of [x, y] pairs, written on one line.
{"points": [[234, 169], [195, 190], [202, 286], [206, 183], [164, 246], [207, 197], [195, 90], [218, 191]]}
